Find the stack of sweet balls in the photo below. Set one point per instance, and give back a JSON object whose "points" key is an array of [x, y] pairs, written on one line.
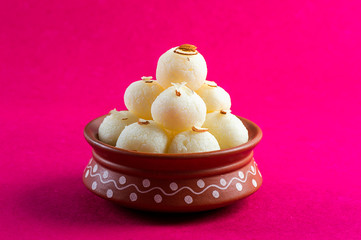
{"points": [[180, 112]]}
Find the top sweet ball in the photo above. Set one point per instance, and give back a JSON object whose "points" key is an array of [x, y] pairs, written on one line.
{"points": [[180, 112], [182, 64]]}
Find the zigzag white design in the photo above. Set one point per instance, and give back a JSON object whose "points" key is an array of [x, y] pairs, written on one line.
{"points": [[175, 192]]}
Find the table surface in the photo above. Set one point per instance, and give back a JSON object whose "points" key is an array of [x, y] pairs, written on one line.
{"points": [[292, 68]]}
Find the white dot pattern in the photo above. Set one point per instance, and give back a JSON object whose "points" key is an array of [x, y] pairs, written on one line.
{"points": [[188, 199], [215, 194], [122, 180], [254, 183], [146, 183], [223, 182], [200, 183], [109, 193], [133, 197], [173, 186], [158, 198], [239, 187]]}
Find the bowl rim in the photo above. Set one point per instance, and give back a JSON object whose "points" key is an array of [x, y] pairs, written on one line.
{"points": [[90, 135]]}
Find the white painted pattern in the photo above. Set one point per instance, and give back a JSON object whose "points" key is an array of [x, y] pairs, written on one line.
{"points": [[133, 197], [109, 193], [200, 183], [94, 185], [122, 180], [254, 183], [223, 182], [105, 174], [239, 187], [215, 194], [146, 183], [173, 186], [188, 199], [158, 198]]}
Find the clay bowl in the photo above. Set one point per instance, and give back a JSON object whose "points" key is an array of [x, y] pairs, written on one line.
{"points": [[172, 182]]}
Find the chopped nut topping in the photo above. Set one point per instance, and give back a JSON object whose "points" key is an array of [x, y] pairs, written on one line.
{"points": [[186, 49], [177, 93], [143, 122], [147, 79], [199, 129], [125, 118], [211, 84], [225, 111]]}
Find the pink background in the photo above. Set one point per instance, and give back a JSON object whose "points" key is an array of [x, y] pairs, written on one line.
{"points": [[293, 68]]}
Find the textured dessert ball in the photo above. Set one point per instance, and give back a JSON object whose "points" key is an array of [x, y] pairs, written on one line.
{"points": [[182, 64], [195, 140], [215, 97], [226, 128], [143, 136], [113, 124], [178, 108], [139, 96]]}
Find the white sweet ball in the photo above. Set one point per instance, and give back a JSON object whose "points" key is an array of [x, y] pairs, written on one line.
{"points": [[226, 128], [143, 136], [113, 124], [178, 108], [182, 64], [139, 96], [191, 141], [215, 97]]}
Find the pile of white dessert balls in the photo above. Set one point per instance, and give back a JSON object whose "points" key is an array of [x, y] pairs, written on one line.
{"points": [[180, 112]]}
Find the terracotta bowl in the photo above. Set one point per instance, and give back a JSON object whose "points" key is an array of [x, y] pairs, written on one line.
{"points": [[172, 182]]}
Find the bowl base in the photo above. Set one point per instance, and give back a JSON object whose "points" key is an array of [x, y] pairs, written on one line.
{"points": [[177, 195]]}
